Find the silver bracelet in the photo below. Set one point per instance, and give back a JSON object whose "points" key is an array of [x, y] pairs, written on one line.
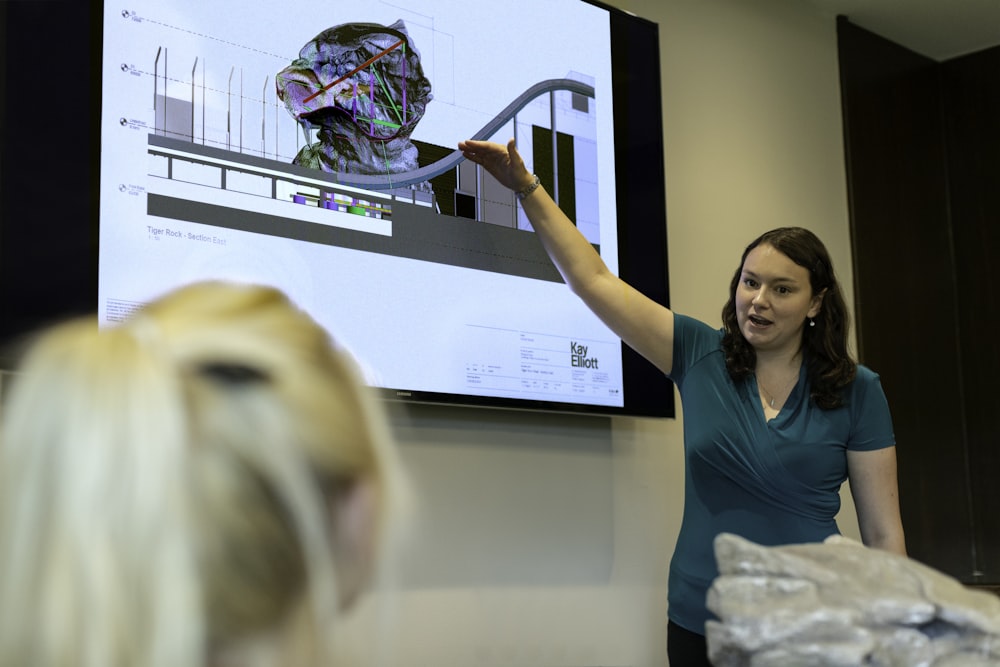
{"points": [[528, 189]]}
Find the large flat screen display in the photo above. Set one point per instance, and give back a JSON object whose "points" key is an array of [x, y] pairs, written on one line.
{"points": [[314, 149]]}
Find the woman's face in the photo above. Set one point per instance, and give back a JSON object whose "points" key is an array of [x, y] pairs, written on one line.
{"points": [[773, 300]]}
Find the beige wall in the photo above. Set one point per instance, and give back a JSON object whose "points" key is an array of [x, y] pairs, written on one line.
{"points": [[545, 539]]}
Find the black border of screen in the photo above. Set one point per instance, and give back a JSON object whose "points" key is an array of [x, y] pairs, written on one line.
{"points": [[50, 111]]}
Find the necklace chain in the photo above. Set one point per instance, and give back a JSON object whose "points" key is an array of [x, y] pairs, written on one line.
{"points": [[772, 397]]}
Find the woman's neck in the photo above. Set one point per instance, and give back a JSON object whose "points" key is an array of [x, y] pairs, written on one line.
{"points": [[778, 360]]}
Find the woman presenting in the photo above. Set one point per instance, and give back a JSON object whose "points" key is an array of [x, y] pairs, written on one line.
{"points": [[777, 414]]}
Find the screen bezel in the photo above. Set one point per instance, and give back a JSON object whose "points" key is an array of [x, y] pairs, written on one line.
{"points": [[50, 264]]}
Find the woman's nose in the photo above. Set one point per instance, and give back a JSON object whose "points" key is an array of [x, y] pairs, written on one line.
{"points": [[758, 297]]}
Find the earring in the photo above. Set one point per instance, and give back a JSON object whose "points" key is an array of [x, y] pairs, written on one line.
{"points": [[812, 322]]}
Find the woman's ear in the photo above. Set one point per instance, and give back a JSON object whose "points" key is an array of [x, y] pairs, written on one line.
{"points": [[817, 304], [355, 534]]}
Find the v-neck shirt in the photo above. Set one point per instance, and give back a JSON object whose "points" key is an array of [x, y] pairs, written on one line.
{"points": [[771, 481]]}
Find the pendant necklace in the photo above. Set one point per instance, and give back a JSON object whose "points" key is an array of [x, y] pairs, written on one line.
{"points": [[770, 398]]}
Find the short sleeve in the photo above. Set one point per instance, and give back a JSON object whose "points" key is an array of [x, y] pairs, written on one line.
{"points": [[693, 340], [871, 422]]}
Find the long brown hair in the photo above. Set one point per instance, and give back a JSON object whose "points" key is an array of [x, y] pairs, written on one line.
{"points": [[829, 365]]}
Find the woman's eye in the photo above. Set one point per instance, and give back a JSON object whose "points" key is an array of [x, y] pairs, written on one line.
{"points": [[750, 282]]}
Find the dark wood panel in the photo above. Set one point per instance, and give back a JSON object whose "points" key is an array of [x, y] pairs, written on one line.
{"points": [[905, 289], [971, 87]]}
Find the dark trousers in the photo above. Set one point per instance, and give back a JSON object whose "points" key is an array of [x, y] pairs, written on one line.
{"points": [[686, 648]]}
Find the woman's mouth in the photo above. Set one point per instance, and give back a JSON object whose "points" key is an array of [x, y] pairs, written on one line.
{"points": [[758, 321]]}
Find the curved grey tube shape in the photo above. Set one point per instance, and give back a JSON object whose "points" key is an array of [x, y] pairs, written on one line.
{"points": [[384, 182]]}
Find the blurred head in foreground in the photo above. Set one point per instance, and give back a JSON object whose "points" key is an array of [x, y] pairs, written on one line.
{"points": [[207, 483]]}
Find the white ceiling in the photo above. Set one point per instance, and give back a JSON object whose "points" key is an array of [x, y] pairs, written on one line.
{"points": [[938, 29]]}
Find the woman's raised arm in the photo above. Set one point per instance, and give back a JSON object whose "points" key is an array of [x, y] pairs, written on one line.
{"points": [[644, 325]]}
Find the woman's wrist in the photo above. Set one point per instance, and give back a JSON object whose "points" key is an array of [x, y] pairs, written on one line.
{"points": [[522, 193]]}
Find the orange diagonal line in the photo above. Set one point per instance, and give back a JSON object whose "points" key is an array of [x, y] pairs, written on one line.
{"points": [[353, 71]]}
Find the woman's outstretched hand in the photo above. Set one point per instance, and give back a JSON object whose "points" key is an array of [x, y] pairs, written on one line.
{"points": [[503, 162]]}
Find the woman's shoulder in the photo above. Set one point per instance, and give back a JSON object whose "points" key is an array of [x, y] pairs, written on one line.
{"points": [[694, 340], [867, 384], [693, 326], [865, 375]]}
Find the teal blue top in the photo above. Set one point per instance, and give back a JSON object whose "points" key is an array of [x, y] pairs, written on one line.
{"points": [[772, 482]]}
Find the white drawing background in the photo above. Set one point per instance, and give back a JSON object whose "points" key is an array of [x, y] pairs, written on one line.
{"points": [[412, 324]]}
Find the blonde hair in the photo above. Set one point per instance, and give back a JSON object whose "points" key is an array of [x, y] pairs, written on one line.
{"points": [[168, 485]]}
